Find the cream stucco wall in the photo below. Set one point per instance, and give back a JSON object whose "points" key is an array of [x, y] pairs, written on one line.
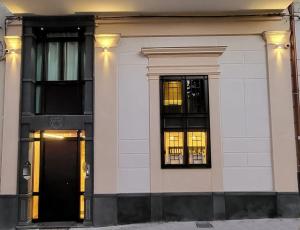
{"points": [[244, 104], [9, 167], [3, 13], [281, 113], [244, 114], [105, 130]]}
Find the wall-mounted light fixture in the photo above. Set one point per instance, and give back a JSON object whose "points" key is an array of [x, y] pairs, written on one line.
{"points": [[13, 44], [107, 41], [279, 39]]}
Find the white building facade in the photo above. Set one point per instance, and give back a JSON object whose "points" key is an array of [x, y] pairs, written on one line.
{"points": [[154, 118]]}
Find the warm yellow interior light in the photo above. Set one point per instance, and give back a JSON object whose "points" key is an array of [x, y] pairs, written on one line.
{"points": [[82, 174], [50, 135], [60, 134], [172, 93], [82, 166], [37, 134], [35, 207], [13, 43], [197, 147], [173, 147], [107, 41], [81, 207], [36, 175], [36, 166]]}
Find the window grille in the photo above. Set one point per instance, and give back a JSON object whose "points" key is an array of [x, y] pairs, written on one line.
{"points": [[185, 121]]}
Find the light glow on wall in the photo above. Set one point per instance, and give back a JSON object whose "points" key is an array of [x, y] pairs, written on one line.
{"points": [[280, 39], [13, 44], [107, 41]]}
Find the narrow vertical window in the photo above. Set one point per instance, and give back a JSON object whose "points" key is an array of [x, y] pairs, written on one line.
{"points": [[36, 176], [38, 99], [173, 147], [197, 147], [71, 61], [59, 86], [172, 96], [82, 174], [53, 61], [196, 95], [39, 62]]}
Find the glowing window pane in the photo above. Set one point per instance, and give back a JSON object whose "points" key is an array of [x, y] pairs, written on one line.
{"points": [[37, 134], [197, 147], [82, 166], [172, 93], [81, 215], [82, 174], [173, 147], [36, 166], [35, 207]]}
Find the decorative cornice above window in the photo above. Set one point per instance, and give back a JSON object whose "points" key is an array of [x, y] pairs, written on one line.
{"points": [[197, 50], [197, 60]]}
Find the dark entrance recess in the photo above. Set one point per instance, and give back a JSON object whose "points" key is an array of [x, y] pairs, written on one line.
{"points": [[59, 194], [56, 98]]}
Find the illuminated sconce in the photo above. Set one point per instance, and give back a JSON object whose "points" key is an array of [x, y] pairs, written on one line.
{"points": [[279, 39], [13, 44], [107, 41]]}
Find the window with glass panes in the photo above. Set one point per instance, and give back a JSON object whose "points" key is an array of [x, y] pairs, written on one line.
{"points": [[58, 74], [185, 138]]}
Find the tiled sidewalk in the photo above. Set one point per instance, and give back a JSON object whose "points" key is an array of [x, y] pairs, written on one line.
{"points": [[257, 224]]}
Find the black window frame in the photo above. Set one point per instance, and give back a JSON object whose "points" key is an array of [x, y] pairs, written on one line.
{"points": [[185, 117], [43, 83]]}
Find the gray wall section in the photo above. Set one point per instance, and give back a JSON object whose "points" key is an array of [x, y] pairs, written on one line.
{"points": [[257, 205], [288, 205], [8, 211], [116, 209], [105, 210], [136, 208], [187, 207]]}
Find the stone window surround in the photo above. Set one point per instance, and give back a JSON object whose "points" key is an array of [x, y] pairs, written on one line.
{"points": [[201, 60]]}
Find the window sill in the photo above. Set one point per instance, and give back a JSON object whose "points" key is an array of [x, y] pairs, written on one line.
{"points": [[206, 166]]}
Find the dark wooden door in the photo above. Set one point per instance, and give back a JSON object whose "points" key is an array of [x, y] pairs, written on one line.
{"points": [[59, 194]]}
